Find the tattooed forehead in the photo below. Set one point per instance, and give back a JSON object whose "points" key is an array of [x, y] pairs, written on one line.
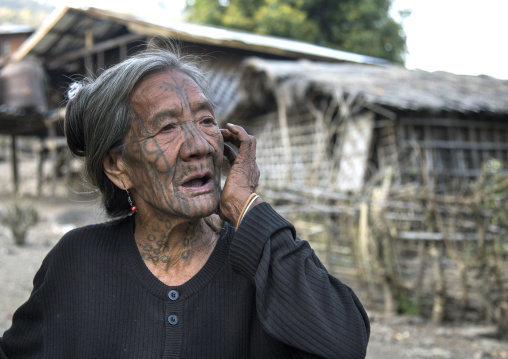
{"points": [[168, 95]]}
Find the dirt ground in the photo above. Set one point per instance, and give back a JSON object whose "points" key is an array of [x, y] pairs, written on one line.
{"points": [[391, 338]]}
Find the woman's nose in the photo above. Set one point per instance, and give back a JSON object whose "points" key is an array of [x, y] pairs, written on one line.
{"points": [[194, 142]]}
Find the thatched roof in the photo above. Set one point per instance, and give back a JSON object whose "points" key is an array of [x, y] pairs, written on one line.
{"points": [[392, 87]]}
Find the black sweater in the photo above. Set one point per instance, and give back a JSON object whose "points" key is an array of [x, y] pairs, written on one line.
{"points": [[262, 294]]}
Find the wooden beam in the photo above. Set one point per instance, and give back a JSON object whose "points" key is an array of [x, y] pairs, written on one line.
{"points": [[14, 164], [98, 47], [455, 145], [36, 37], [438, 236], [448, 122], [89, 42], [284, 133]]}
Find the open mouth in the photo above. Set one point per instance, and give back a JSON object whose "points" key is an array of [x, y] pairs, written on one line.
{"points": [[198, 181]]}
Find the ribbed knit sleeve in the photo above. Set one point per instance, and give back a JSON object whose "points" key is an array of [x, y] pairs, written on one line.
{"points": [[298, 302], [2, 354]]}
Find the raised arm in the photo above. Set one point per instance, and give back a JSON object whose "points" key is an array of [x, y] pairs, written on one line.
{"points": [[298, 302]]}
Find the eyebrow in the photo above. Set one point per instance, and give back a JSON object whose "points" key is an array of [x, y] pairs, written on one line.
{"points": [[202, 105]]}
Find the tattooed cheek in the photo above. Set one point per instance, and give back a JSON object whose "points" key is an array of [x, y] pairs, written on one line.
{"points": [[161, 165]]}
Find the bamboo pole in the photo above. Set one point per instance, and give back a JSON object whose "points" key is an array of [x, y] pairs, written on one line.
{"points": [[284, 132]]}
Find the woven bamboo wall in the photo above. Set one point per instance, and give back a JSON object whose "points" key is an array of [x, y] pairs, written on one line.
{"points": [[449, 152], [321, 153], [307, 161]]}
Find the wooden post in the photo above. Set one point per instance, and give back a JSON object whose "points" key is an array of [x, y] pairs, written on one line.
{"points": [[364, 257], [284, 133], [40, 168], [438, 308], [420, 266], [14, 163], [53, 147], [122, 51], [89, 45]]}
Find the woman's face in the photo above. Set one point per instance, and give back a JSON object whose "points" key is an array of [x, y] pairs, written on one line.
{"points": [[173, 150]]}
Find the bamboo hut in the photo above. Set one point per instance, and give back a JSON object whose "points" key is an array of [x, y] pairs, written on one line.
{"points": [[335, 125], [398, 177]]}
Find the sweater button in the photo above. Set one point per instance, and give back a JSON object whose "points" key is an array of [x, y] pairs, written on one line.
{"points": [[173, 295], [173, 319]]}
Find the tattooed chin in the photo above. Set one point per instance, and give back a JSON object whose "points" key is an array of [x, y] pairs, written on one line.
{"points": [[196, 206]]}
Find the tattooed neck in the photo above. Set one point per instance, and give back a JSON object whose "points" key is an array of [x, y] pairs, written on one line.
{"points": [[162, 243]]}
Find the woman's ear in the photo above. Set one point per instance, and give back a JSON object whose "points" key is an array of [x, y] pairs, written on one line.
{"points": [[115, 169]]}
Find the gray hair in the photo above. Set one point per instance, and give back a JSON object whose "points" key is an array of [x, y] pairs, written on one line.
{"points": [[97, 115]]}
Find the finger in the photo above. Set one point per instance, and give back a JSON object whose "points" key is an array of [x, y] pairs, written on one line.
{"points": [[235, 134], [234, 128], [228, 136], [230, 154], [225, 132]]}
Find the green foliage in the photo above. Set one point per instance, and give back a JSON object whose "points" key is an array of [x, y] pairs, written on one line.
{"points": [[360, 26], [410, 306]]}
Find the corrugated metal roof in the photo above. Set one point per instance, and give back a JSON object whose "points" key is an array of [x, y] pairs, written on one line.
{"points": [[64, 31], [261, 41], [15, 29]]}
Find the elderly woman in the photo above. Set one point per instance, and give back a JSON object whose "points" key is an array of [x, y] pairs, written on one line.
{"points": [[166, 277]]}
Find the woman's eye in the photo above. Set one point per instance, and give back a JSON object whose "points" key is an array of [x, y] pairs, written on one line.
{"points": [[168, 127], [209, 121]]}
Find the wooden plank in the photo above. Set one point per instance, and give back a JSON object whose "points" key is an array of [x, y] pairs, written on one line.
{"points": [[452, 172], [438, 236], [411, 137], [448, 122], [454, 145], [475, 157], [96, 48], [457, 160], [429, 160], [485, 151], [14, 164], [498, 139], [355, 151]]}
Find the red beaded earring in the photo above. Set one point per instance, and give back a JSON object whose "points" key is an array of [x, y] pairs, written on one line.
{"points": [[133, 207]]}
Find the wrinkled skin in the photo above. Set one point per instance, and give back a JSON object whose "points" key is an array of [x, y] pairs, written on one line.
{"points": [[244, 175], [173, 147], [171, 166]]}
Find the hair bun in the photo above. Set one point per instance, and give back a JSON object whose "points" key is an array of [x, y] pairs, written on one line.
{"points": [[74, 88]]}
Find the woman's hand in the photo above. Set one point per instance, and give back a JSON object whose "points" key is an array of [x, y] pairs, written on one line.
{"points": [[243, 177]]}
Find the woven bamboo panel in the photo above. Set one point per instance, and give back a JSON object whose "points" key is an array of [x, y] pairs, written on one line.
{"points": [[317, 156], [450, 151]]}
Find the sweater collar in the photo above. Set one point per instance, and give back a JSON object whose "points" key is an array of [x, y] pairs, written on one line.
{"points": [[152, 283]]}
